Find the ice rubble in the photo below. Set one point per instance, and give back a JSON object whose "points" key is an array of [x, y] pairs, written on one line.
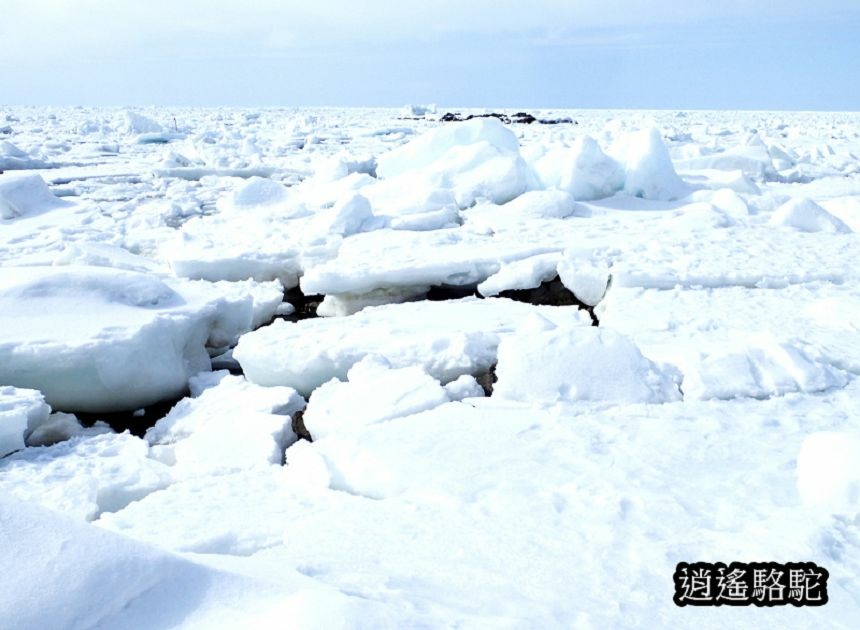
{"points": [[470, 172], [696, 328], [95, 472], [101, 339], [26, 420], [762, 368], [190, 439], [751, 156], [21, 412]]}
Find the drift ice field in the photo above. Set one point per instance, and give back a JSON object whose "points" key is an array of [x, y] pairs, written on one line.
{"points": [[365, 368]]}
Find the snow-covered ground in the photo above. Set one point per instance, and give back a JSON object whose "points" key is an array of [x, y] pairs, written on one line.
{"points": [[481, 454]]}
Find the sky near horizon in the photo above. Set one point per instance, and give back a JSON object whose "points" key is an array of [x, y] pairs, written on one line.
{"points": [[715, 54]]}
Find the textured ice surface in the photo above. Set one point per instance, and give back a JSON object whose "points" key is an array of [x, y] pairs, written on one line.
{"points": [[711, 415]]}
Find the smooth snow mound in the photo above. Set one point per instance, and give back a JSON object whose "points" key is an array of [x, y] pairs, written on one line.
{"points": [[257, 191], [570, 364], [72, 575], [23, 195], [807, 216]]}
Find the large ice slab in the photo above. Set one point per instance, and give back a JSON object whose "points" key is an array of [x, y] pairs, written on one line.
{"points": [[101, 339], [448, 339]]}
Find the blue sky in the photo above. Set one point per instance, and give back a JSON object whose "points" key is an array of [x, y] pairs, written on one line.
{"points": [[720, 54]]}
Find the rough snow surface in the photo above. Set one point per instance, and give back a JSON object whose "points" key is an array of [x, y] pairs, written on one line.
{"points": [[476, 462]]}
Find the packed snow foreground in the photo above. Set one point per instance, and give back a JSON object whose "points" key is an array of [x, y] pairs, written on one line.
{"points": [[387, 371]]}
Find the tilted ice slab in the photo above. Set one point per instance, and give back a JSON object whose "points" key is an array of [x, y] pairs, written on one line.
{"points": [[230, 425], [649, 172], [452, 256], [101, 339], [583, 170], [12, 158], [374, 392], [22, 195], [447, 339]]}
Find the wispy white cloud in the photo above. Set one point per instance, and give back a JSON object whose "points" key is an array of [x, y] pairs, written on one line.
{"points": [[67, 28]]}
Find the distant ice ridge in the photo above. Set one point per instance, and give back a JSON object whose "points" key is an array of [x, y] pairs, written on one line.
{"points": [[466, 172], [640, 167]]}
